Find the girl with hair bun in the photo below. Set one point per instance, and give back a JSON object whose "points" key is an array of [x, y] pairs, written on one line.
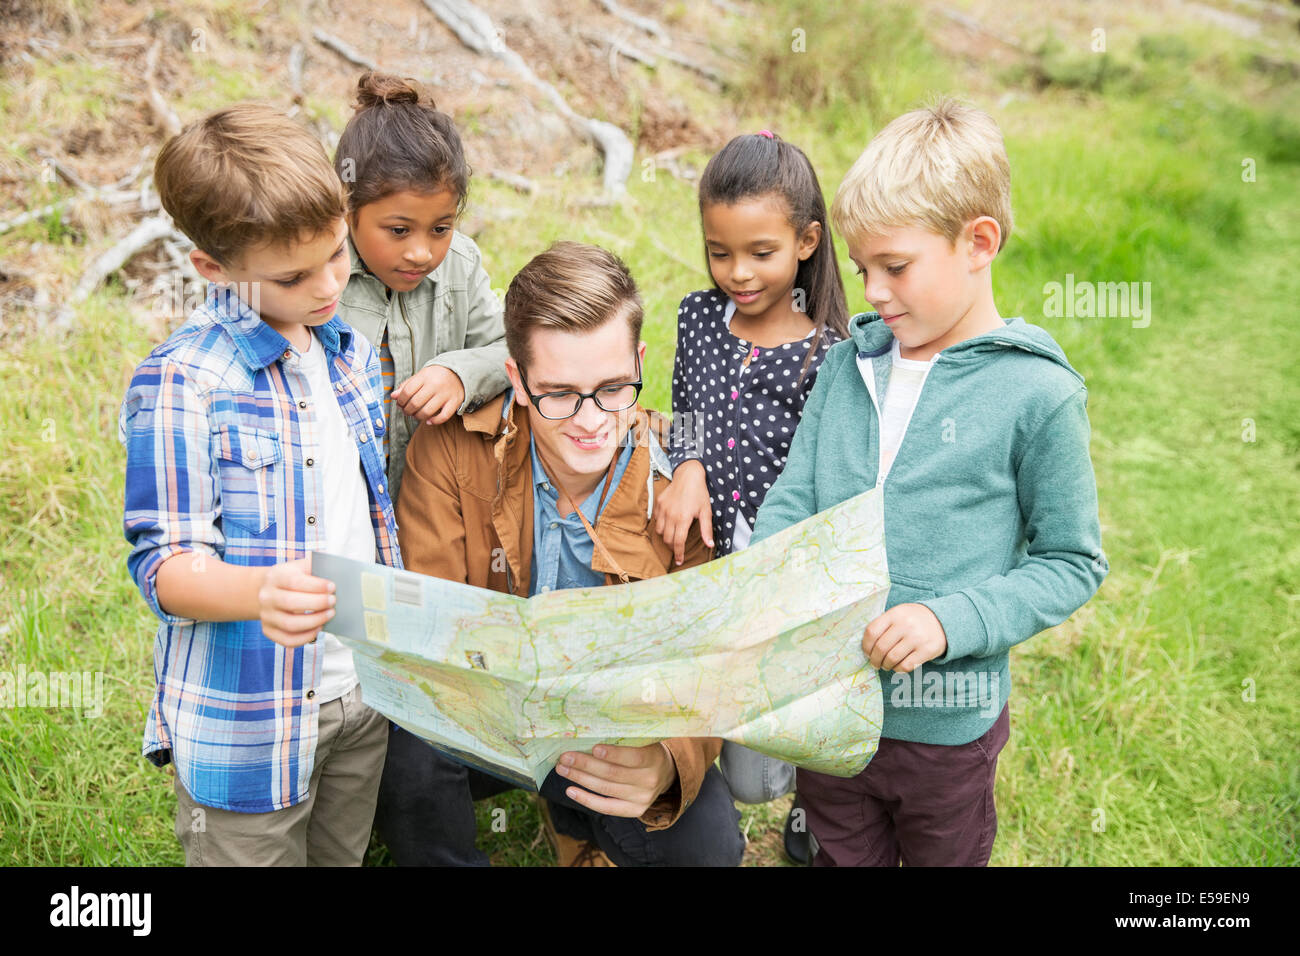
{"points": [[417, 288], [418, 291]]}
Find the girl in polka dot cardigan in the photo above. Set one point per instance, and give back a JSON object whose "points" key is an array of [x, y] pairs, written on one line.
{"points": [[748, 351]]}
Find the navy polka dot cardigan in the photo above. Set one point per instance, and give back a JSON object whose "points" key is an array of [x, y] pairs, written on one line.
{"points": [[735, 408]]}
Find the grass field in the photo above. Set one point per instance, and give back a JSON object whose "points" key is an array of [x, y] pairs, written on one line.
{"points": [[1157, 727]]}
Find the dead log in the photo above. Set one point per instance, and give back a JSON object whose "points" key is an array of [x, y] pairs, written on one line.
{"points": [[474, 28]]}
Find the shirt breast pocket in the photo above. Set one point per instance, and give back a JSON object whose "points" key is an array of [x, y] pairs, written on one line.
{"points": [[248, 461]]}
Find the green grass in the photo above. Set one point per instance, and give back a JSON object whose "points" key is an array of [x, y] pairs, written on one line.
{"points": [[1130, 715]]}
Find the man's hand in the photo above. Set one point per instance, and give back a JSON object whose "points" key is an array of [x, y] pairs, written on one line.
{"points": [[630, 778], [431, 395], [686, 500], [904, 638], [294, 604]]}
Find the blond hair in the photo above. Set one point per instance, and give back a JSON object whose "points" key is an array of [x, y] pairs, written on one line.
{"points": [[937, 168], [247, 175], [572, 287]]}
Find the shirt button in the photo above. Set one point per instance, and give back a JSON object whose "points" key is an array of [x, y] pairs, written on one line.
{"points": [[250, 455], [302, 404], [379, 423], [545, 588], [338, 387], [555, 524], [311, 694], [546, 486], [735, 496], [734, 393], [310, 462], [731, 443], [364, 439], [311, 519], [287, 354], [381, 489]]}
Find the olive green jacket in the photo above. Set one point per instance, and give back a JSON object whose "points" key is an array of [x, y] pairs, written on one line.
{"points": [[452, 318]]}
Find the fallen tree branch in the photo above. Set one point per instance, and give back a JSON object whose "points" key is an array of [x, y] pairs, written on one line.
{"points": [[706, 71], [520, 183], [31, 215], [111, 196], [145, 234], [474, 28], [650, 26], [145, 153], [620, 47], [343, 50], [67, 174], [163, 113], [297, 56]]}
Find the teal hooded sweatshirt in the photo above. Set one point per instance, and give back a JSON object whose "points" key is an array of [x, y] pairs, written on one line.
{"points": [[990, 505]]}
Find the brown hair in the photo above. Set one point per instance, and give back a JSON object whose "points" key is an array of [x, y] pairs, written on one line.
{"points": [[763, 164], [398, 140], [246, 175], [572, 287]]}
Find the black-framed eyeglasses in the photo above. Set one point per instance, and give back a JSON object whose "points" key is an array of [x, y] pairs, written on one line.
{"points": [[608, 398]]}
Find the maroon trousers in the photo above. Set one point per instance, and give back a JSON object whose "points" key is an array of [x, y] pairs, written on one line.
{"points": [[921, 804]]}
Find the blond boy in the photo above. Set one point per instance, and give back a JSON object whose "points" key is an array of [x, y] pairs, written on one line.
{"points": [[974, 429]]}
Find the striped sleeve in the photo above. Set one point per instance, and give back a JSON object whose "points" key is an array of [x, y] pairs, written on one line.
{"points": [[171, 502]]}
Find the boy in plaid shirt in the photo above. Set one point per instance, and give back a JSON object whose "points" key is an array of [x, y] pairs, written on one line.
{"points": [[254, 436]]}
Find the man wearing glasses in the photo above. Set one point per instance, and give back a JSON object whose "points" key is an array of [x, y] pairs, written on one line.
{"points": [[550, 486]]}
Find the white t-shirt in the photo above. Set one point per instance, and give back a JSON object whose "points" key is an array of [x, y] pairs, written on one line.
{"points": [[906, 377], [348, 531]]}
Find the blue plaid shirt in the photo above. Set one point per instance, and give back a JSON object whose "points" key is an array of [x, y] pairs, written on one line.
{"points": [[220, 427]]}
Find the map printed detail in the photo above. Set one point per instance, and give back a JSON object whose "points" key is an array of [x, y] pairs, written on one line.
{"points": [[762, 647]]}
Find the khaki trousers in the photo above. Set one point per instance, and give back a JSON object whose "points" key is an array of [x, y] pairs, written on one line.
{"points": [[330, 827]]}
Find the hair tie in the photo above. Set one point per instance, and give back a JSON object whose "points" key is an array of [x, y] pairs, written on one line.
{"points": [[767, 133]]}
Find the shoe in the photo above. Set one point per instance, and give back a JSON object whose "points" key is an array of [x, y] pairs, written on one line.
{"points": [[570, 851], [797, 843]]}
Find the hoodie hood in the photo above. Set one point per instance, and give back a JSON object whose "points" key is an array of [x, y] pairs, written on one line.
{"points": [[872, 338]]}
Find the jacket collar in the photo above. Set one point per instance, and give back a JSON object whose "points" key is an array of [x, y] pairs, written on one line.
{"points": [[623, 524], [257, 342]]}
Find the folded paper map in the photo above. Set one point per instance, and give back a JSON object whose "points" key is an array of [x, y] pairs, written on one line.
{"points": [[762, 647]]}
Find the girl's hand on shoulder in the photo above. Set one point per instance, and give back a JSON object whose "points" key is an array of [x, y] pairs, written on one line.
{"points": [[685, 501], [431, 395]]}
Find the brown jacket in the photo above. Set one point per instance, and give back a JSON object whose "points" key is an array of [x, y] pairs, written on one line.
{"points": [[465, 513]]}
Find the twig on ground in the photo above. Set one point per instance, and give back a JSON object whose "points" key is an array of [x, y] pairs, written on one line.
{"points": [[343, 50], [163, 113], [475, 29]]}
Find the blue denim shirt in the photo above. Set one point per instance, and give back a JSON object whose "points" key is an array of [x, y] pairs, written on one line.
{"points": [[562, 549]]}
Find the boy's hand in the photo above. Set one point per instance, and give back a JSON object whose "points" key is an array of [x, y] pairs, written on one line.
{"points": [[431, 395], [903, 638], [295, 605], [631, 778], [686, 500]]}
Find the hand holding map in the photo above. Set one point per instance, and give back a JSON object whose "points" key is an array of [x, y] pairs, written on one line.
{"points": [[762, 647]]}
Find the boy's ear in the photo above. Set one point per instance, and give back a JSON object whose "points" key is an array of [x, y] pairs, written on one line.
{"points": [[985, 238], [208, 267], [810, 239]]}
